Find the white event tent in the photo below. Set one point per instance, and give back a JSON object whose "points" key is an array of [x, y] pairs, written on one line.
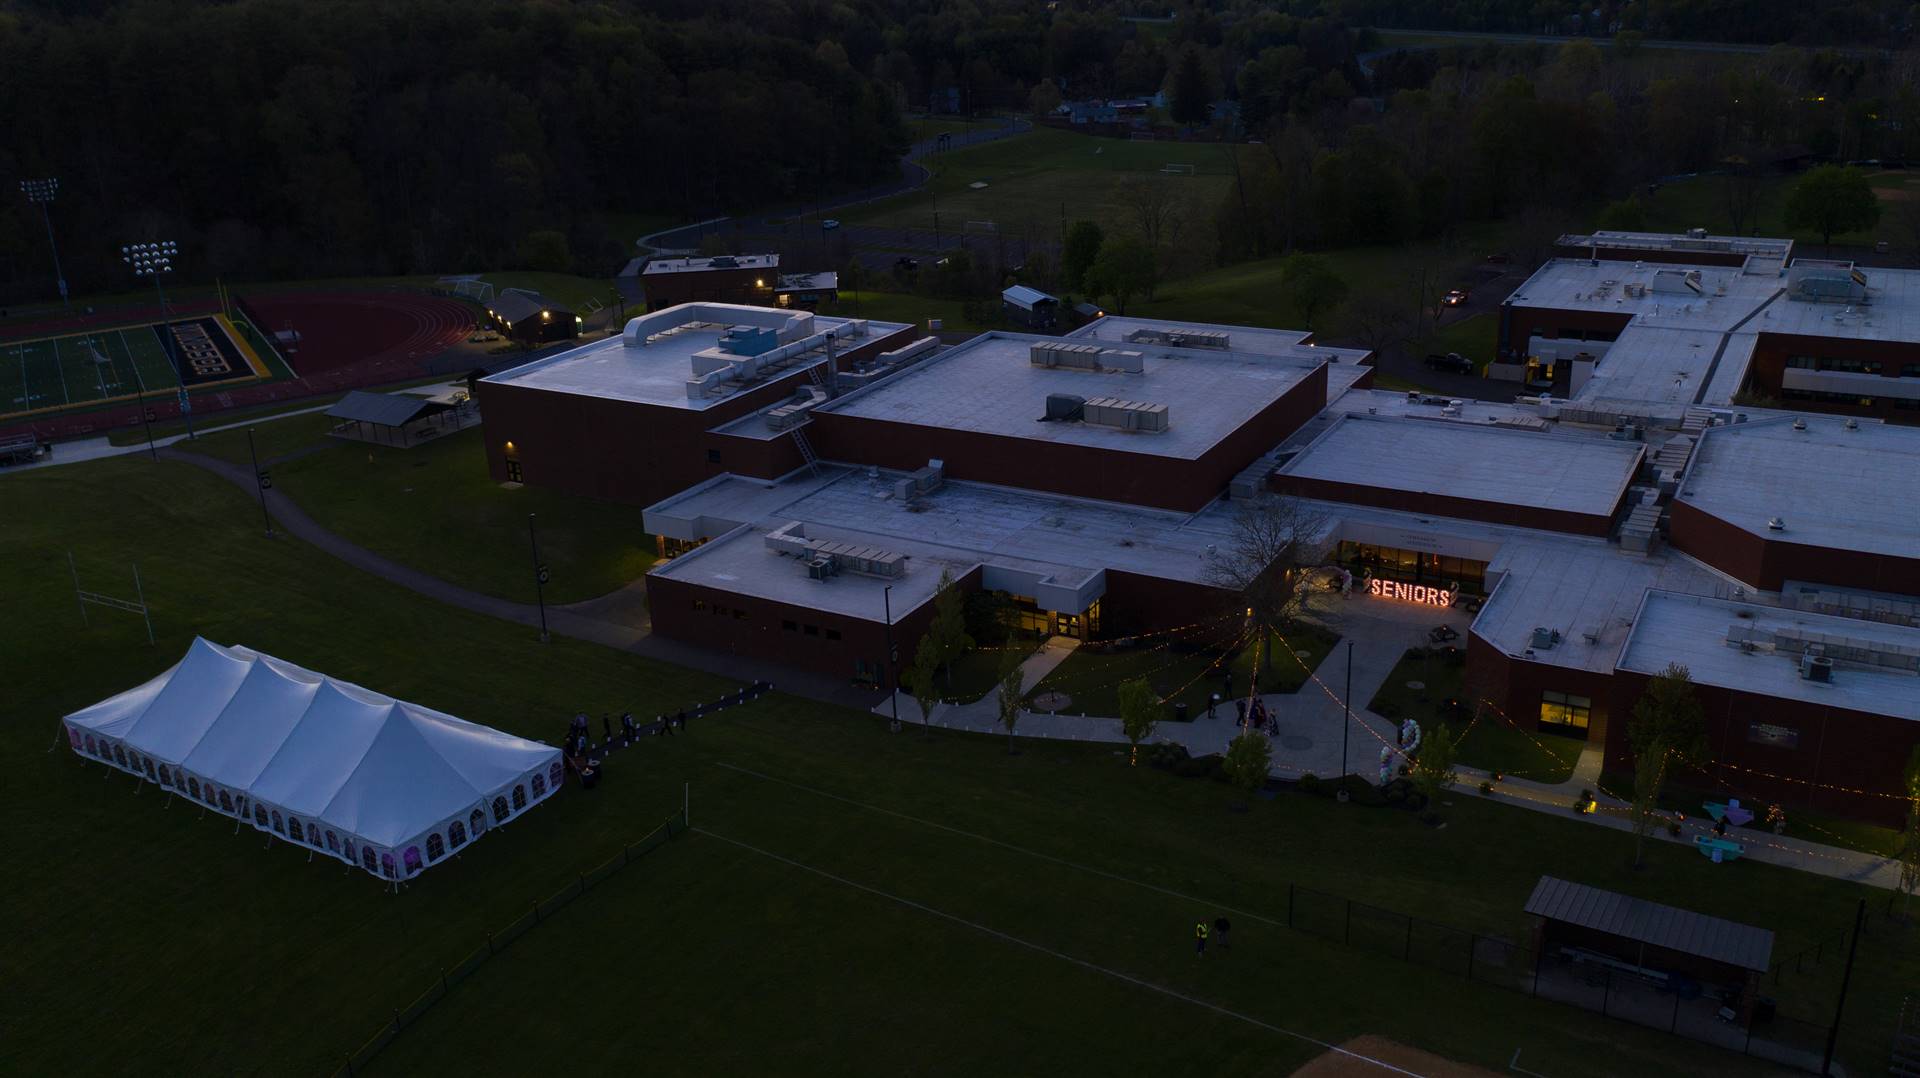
{"points": [[322, 763]]}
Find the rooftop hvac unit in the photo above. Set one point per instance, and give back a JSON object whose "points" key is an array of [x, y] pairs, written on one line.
{"points": [[822, 567], [1544, 638], [1061, 406], [1816, 667], [1696, 233], [724, 262]]}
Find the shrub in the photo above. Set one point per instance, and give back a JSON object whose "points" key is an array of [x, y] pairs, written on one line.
{"points": [[1166, 756], [1310, 784], [1360, 791], [1429, 817]]}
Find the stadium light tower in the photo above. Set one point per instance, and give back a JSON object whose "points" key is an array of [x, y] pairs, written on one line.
{"points": [[155, 259], [42, 191]]}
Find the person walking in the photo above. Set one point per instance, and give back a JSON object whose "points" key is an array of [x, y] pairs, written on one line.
{"points": [[682, 718], [666, 726], [626, 727], [606, 728], [1222, 926], [1200, 939]]}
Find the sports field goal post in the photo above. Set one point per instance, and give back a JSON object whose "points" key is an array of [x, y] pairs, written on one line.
{"points": [[1173, 168], [474, 289]]}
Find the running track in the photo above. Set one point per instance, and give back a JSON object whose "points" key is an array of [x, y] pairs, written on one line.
{"points": [[349, 339]]}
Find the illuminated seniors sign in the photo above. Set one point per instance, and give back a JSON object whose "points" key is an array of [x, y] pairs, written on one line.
{"points": [[1412, 593]]}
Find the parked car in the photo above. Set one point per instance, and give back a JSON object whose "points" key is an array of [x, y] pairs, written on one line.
{"points": [[829, 225], [1455, 297], [906, 264], [1499, 258], [1452, 362]]}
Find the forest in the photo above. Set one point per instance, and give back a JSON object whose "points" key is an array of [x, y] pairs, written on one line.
{"points": [[306, 138]]}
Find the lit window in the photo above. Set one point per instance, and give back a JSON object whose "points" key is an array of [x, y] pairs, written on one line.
{"points": [[1565, 710]]}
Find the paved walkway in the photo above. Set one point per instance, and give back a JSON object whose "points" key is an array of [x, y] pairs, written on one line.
{"points": [[1311, 723], [589, 620], [100, 447]]}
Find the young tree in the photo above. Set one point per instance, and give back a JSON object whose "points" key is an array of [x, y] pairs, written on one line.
{"points": [[1274, 541], [1189, 92], [1310, 286], [1667, 728], [1155, 207], [1044, 98], [1832, 199], [1247, 760], [949, 629], [1082, 247], [1123, 269], [1433, 767], [922, 680], [1139, 707], [1009, 693]]}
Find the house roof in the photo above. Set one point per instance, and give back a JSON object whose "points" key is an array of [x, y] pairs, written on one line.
{"points": [[381, 409], [1637, 919], [1026, 298], [516, 305]]}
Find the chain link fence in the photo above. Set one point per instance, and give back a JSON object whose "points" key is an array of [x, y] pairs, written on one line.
{"points": [[500, 939]]}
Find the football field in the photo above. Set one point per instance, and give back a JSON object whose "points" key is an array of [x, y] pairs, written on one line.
{"points": [[100, 365]]}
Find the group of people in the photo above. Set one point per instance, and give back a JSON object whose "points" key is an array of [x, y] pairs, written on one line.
{"points": [[1219, 930], [576, 747], [1257, 715]]}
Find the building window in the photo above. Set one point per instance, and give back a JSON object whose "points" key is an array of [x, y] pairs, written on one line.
{"points": [[436, 847], [476, 822], [790, 626], [833, 634], [813, 630], [1564, 710], [1803, 363], [369, 859], [519, 798], [539, 786], [457, 834], [193, 787], [513, 472], [1851, 366], [499, 810], [333, 841], [1910, 370]]}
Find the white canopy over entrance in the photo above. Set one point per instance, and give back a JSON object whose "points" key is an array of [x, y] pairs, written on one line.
{"points": [[373, 781]]}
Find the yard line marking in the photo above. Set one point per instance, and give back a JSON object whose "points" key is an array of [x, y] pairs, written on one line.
{"points": [[1008, 846], [60, 368], [1081, 962]]}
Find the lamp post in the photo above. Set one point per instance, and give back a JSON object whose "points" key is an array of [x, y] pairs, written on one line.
{"points": [[893, 657], [261, 481], [539, 578], [42, 191], [1346, 707], [153, 260]]}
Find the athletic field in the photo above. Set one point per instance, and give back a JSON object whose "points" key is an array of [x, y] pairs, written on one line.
{"points": [[100, 365]]}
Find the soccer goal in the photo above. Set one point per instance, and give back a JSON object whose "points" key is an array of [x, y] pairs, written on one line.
{"points": [[1140, 136], [472, 288], [1174, 169]]}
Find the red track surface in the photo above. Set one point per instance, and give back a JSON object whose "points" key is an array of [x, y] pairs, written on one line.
{"points": [[348, 340]]}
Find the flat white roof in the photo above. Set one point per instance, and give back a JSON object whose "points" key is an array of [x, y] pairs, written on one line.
{"points": [[1676, 242], [658, 373], [1730, 298], [957, 526], [725, 262], [1571, 473], [1692, 630], [1256, 340], [987, 385], [1833, 487]]}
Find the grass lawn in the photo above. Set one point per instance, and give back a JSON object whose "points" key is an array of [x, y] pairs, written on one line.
{"points": [[977, 673], [1701, 202], [1093, 678], [1475, 337], [904, 307], [706, 955], [1032, 178], [1489, 744], [1803, 821], [434, 507]]}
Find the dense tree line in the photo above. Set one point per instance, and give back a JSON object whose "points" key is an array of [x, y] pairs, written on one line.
{"points": [[303, 137]]}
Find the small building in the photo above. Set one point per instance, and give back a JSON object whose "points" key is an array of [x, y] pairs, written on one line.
{"points": [[745, 279], [1586, 934], [1029, 307], [400, 420], [806, 290], [1085, 313], [531, 318]]}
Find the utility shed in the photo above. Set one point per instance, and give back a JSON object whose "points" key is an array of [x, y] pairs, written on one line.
{"points": [[1635, 936]]}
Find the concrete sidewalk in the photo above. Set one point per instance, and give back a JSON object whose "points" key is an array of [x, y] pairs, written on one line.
{"points": [[101, 447]]}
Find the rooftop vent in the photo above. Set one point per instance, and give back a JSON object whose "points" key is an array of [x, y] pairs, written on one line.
{"points": [[1814, 667], [1799, 424], [1852, 424], [1125, 415], [1775, 524]]}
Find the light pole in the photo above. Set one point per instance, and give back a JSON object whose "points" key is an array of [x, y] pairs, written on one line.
{"points": [[261, 481], [893, 657], [152, 260], [539, 578], [42, 191], [1346, 706]]}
